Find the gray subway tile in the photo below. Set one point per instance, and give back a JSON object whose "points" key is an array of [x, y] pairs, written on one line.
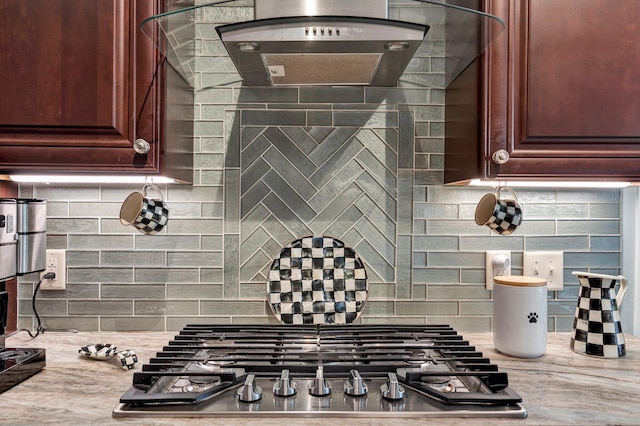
{"points": [[461, 259], [436, 275], [124, 323], [132, 292], [232, 307], [365, 118], [100, 307], [471, 324], [169, 307], [591, 260], [88, 242], [83, 258], [427, 308], [605, 243], [557, 243], [377, 95], [458, 292], [319, 94], [435, 242], [267, 95], [100, 275], [80, 323], [167, 242], [563, 210], [194, 291], [44, 307], [605, 211], [274, 117], [598, 227], [589, 195], [194, 259], [166, 275], [132, 258], [514, 242]]}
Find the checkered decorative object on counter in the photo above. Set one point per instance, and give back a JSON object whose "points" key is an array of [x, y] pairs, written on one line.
{"points": [[508, 218], [596, 328], [99, 351], [128, 359], [107, 352], [317, 280]]}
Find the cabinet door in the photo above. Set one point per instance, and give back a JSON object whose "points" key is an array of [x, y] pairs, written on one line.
{"points": [[563, 90], [77, 86]]}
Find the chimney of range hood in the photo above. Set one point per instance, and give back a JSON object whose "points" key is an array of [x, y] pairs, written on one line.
{"points": [[322, 42]]}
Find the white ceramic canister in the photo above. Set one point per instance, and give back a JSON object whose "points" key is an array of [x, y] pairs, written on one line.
{"points": [[520, 316]]}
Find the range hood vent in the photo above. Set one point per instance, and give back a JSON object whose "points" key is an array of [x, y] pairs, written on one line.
{"points": [[408, 43]]}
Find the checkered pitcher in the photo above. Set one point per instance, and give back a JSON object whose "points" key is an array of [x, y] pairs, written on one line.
{"points": [[596, 328]]}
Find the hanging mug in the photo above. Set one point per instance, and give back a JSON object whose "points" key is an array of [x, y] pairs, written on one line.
{"points": [[147, 214], [501, 215]]}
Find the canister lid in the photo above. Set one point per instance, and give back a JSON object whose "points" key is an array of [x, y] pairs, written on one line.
{"points": [[520, 281]]}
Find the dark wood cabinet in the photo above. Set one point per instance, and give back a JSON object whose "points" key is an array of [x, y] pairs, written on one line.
{"points": [[79, 84], [558, 90]]}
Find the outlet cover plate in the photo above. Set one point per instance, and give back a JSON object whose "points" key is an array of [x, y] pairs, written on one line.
{"points": [[489, 273], [545, 264], [56, 261]]}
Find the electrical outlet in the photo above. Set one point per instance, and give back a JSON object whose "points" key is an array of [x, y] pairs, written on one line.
{"points": [[497, 262], [56, 262], [545, 264]]}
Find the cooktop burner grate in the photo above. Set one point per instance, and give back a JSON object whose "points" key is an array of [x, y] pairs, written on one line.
{"points": [[320, 370]]}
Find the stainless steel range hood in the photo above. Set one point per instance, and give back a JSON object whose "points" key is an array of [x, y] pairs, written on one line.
{"points": [[409, 43], [336, 50], [343, 43]]}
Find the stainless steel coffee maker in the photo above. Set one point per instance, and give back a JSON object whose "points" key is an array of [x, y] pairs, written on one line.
{"points": [[8, 259], [32, 235], [23, 239], [8, 239]]}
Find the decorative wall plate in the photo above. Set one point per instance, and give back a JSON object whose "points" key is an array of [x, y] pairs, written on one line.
{"points": [[317, 280]]}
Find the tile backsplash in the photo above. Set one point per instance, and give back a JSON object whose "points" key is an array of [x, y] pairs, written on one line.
{"points": [[367, 170], [364, 165]]}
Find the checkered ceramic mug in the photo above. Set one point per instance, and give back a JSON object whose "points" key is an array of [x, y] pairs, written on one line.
{"points": [[501, 215], [148, 215]]}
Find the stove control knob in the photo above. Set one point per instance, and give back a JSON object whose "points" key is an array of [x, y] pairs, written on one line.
{"points": [[355, 386], [392, 389], [284, 386], [250, 391], [319, 387]]}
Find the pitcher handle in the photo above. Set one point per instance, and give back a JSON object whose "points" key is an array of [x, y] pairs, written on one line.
{"points": [[622, 291]]}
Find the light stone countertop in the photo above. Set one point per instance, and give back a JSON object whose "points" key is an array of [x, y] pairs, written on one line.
{"points": [[561, 387]]}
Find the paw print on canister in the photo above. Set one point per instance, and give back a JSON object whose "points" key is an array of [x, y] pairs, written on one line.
{"points": [[533, 317]]}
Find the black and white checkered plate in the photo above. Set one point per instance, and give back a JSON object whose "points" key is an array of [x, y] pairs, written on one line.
{"points": [[317, 280]]}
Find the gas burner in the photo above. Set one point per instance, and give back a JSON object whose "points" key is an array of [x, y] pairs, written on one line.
{"points": [[215, 361], [201, 383], [420, 358], [439, 383]]}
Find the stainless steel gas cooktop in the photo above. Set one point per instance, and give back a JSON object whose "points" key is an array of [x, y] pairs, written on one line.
{"points": [[318, 371]]}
